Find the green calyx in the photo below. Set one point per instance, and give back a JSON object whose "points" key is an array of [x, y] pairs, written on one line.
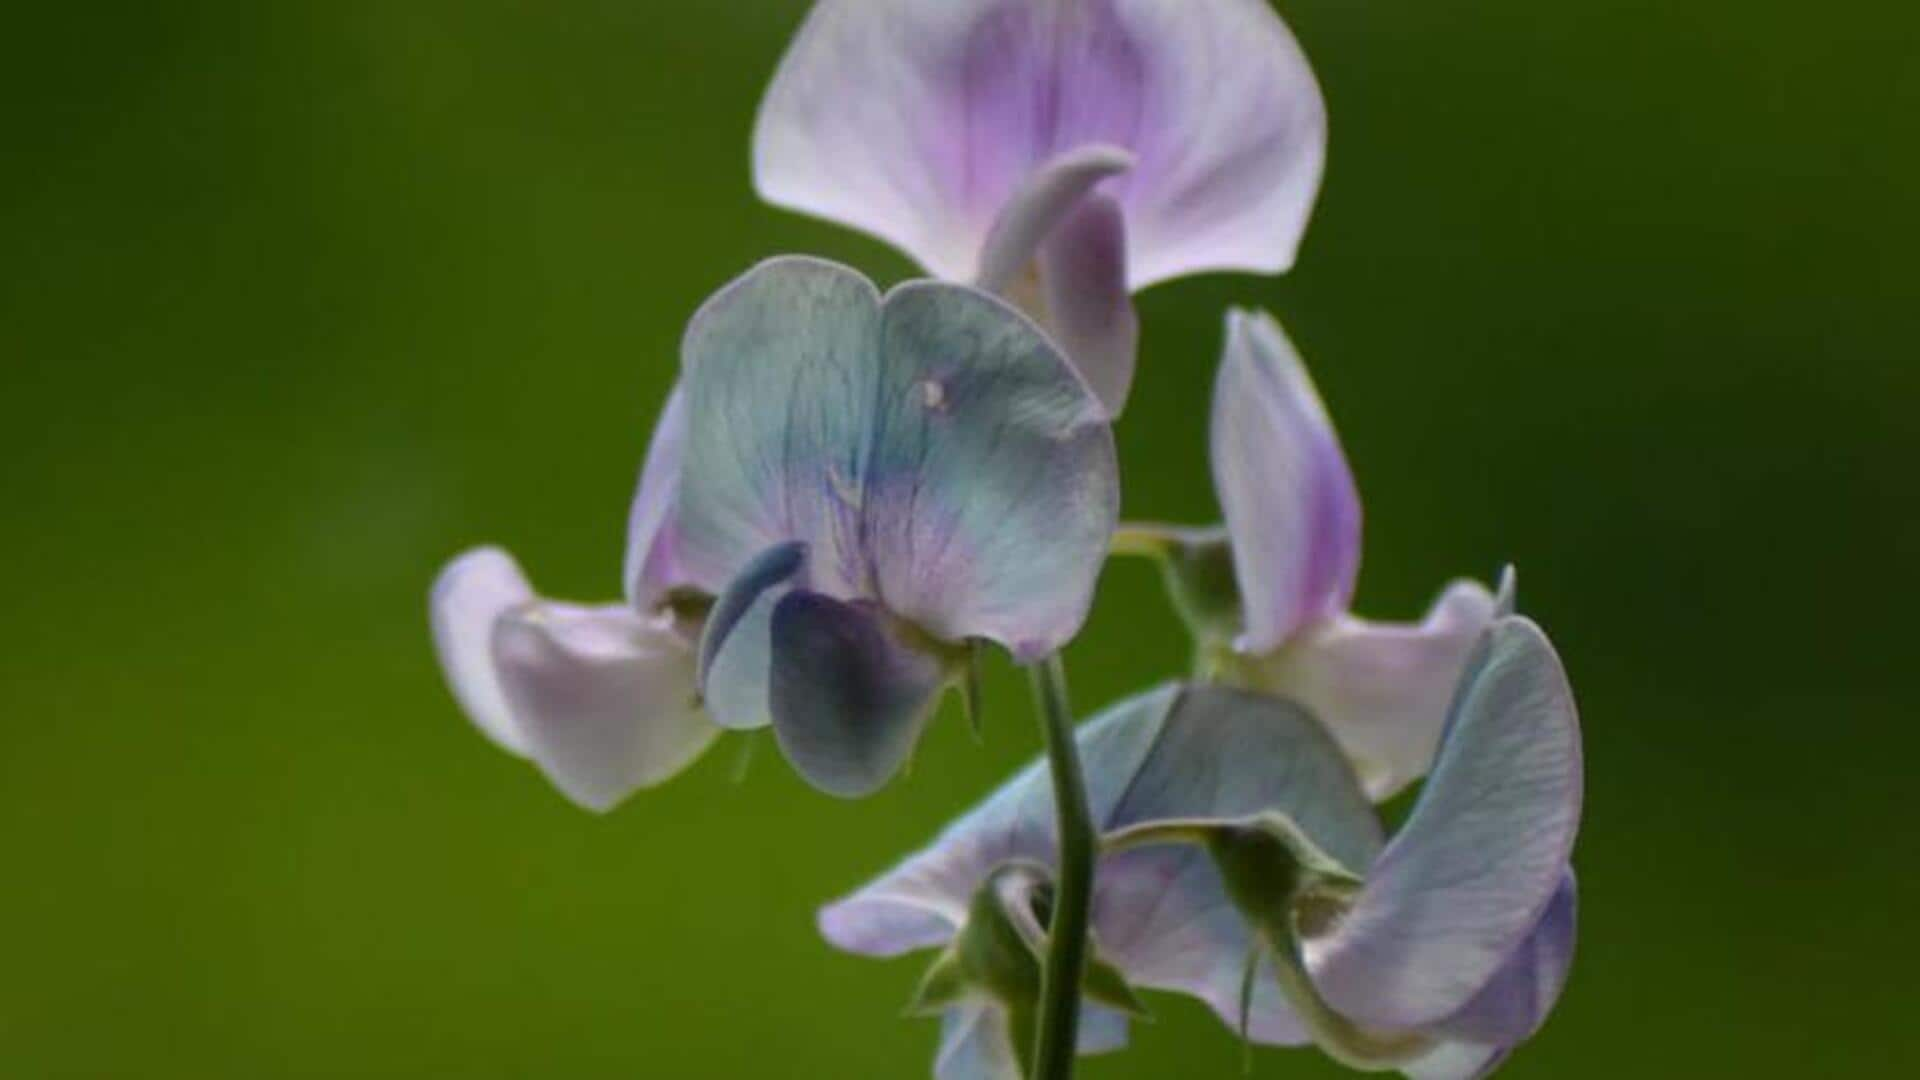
{"points": [[1000, 954], [1197, 566], [1289, 890]]}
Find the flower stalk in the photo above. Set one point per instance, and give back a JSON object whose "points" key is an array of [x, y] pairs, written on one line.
{"points": [[1073, 894]]}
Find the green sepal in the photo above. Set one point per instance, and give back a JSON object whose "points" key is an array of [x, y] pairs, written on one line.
{"points": [[1196, 565], [1107, 985], [972, 688], [942, 987]]}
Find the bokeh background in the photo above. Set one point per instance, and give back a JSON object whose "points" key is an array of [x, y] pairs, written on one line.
{"points": [[302, 297]]}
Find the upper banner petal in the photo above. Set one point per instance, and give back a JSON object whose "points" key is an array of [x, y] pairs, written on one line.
{"points": [[1483, 853], [919, 120], [1289, 499]]}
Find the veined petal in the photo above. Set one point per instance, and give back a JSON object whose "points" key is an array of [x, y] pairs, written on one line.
{"points": [[1382, 689], [653, 566], [1083, 279], [1483, 854], [849, 695], [1289, 499], [935, 453], [992, 487], [919, 120], [469, 596], [604, 697], [1512, 1007], [781, 368]]}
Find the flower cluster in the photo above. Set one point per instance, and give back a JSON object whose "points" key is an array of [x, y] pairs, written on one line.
{"points": [[852, 492]]}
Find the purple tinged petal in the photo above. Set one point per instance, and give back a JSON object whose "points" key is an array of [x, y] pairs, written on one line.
{"points": [[1289, 499], [1457, 1061], [469, 596], [919, 120], [975, 1045], [652, 565], [1036, 211], [1083, 268], [1512, 1007], [849, 696], [992, 488], [1382, 689], [604, 697], [1482, 855]]}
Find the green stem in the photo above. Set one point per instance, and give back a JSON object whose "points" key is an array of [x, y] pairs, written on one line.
{"points": [[1073, 893]]}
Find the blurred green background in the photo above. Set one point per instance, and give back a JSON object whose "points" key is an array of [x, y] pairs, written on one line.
{"points": [[302, 297]]}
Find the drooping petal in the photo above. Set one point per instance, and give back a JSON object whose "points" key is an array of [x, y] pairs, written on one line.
{"points": [[992, 487], [1089, 312], [653, 566], [1382, 689], [781, 369], [736, 649], [604, 697], [1512, 1007], [919, 120], [1289, 499], [467, 599], [849, 696], [1481, 857], [1457, 1061]]}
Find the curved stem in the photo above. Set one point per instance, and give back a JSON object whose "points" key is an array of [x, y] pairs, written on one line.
{"points": [[1073, 894]]}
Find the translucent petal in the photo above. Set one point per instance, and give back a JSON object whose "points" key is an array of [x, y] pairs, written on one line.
{"points": [[919, 120], [652, 568], [1382, 689], [603, 697], [1482, 855], [468, 597], [849, 695]]}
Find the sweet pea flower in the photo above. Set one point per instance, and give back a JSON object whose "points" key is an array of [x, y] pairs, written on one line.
{"points": [[1061, 152], [871, 485], [601, 698], [1201, 750], [1269, 594], [1246, 868]]}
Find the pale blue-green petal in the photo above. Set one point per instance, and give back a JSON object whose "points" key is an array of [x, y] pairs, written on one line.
{"points": [[992, 487], [736, 650], [780, 369], [1382, 689], [1483, 853], [849, 696]]}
